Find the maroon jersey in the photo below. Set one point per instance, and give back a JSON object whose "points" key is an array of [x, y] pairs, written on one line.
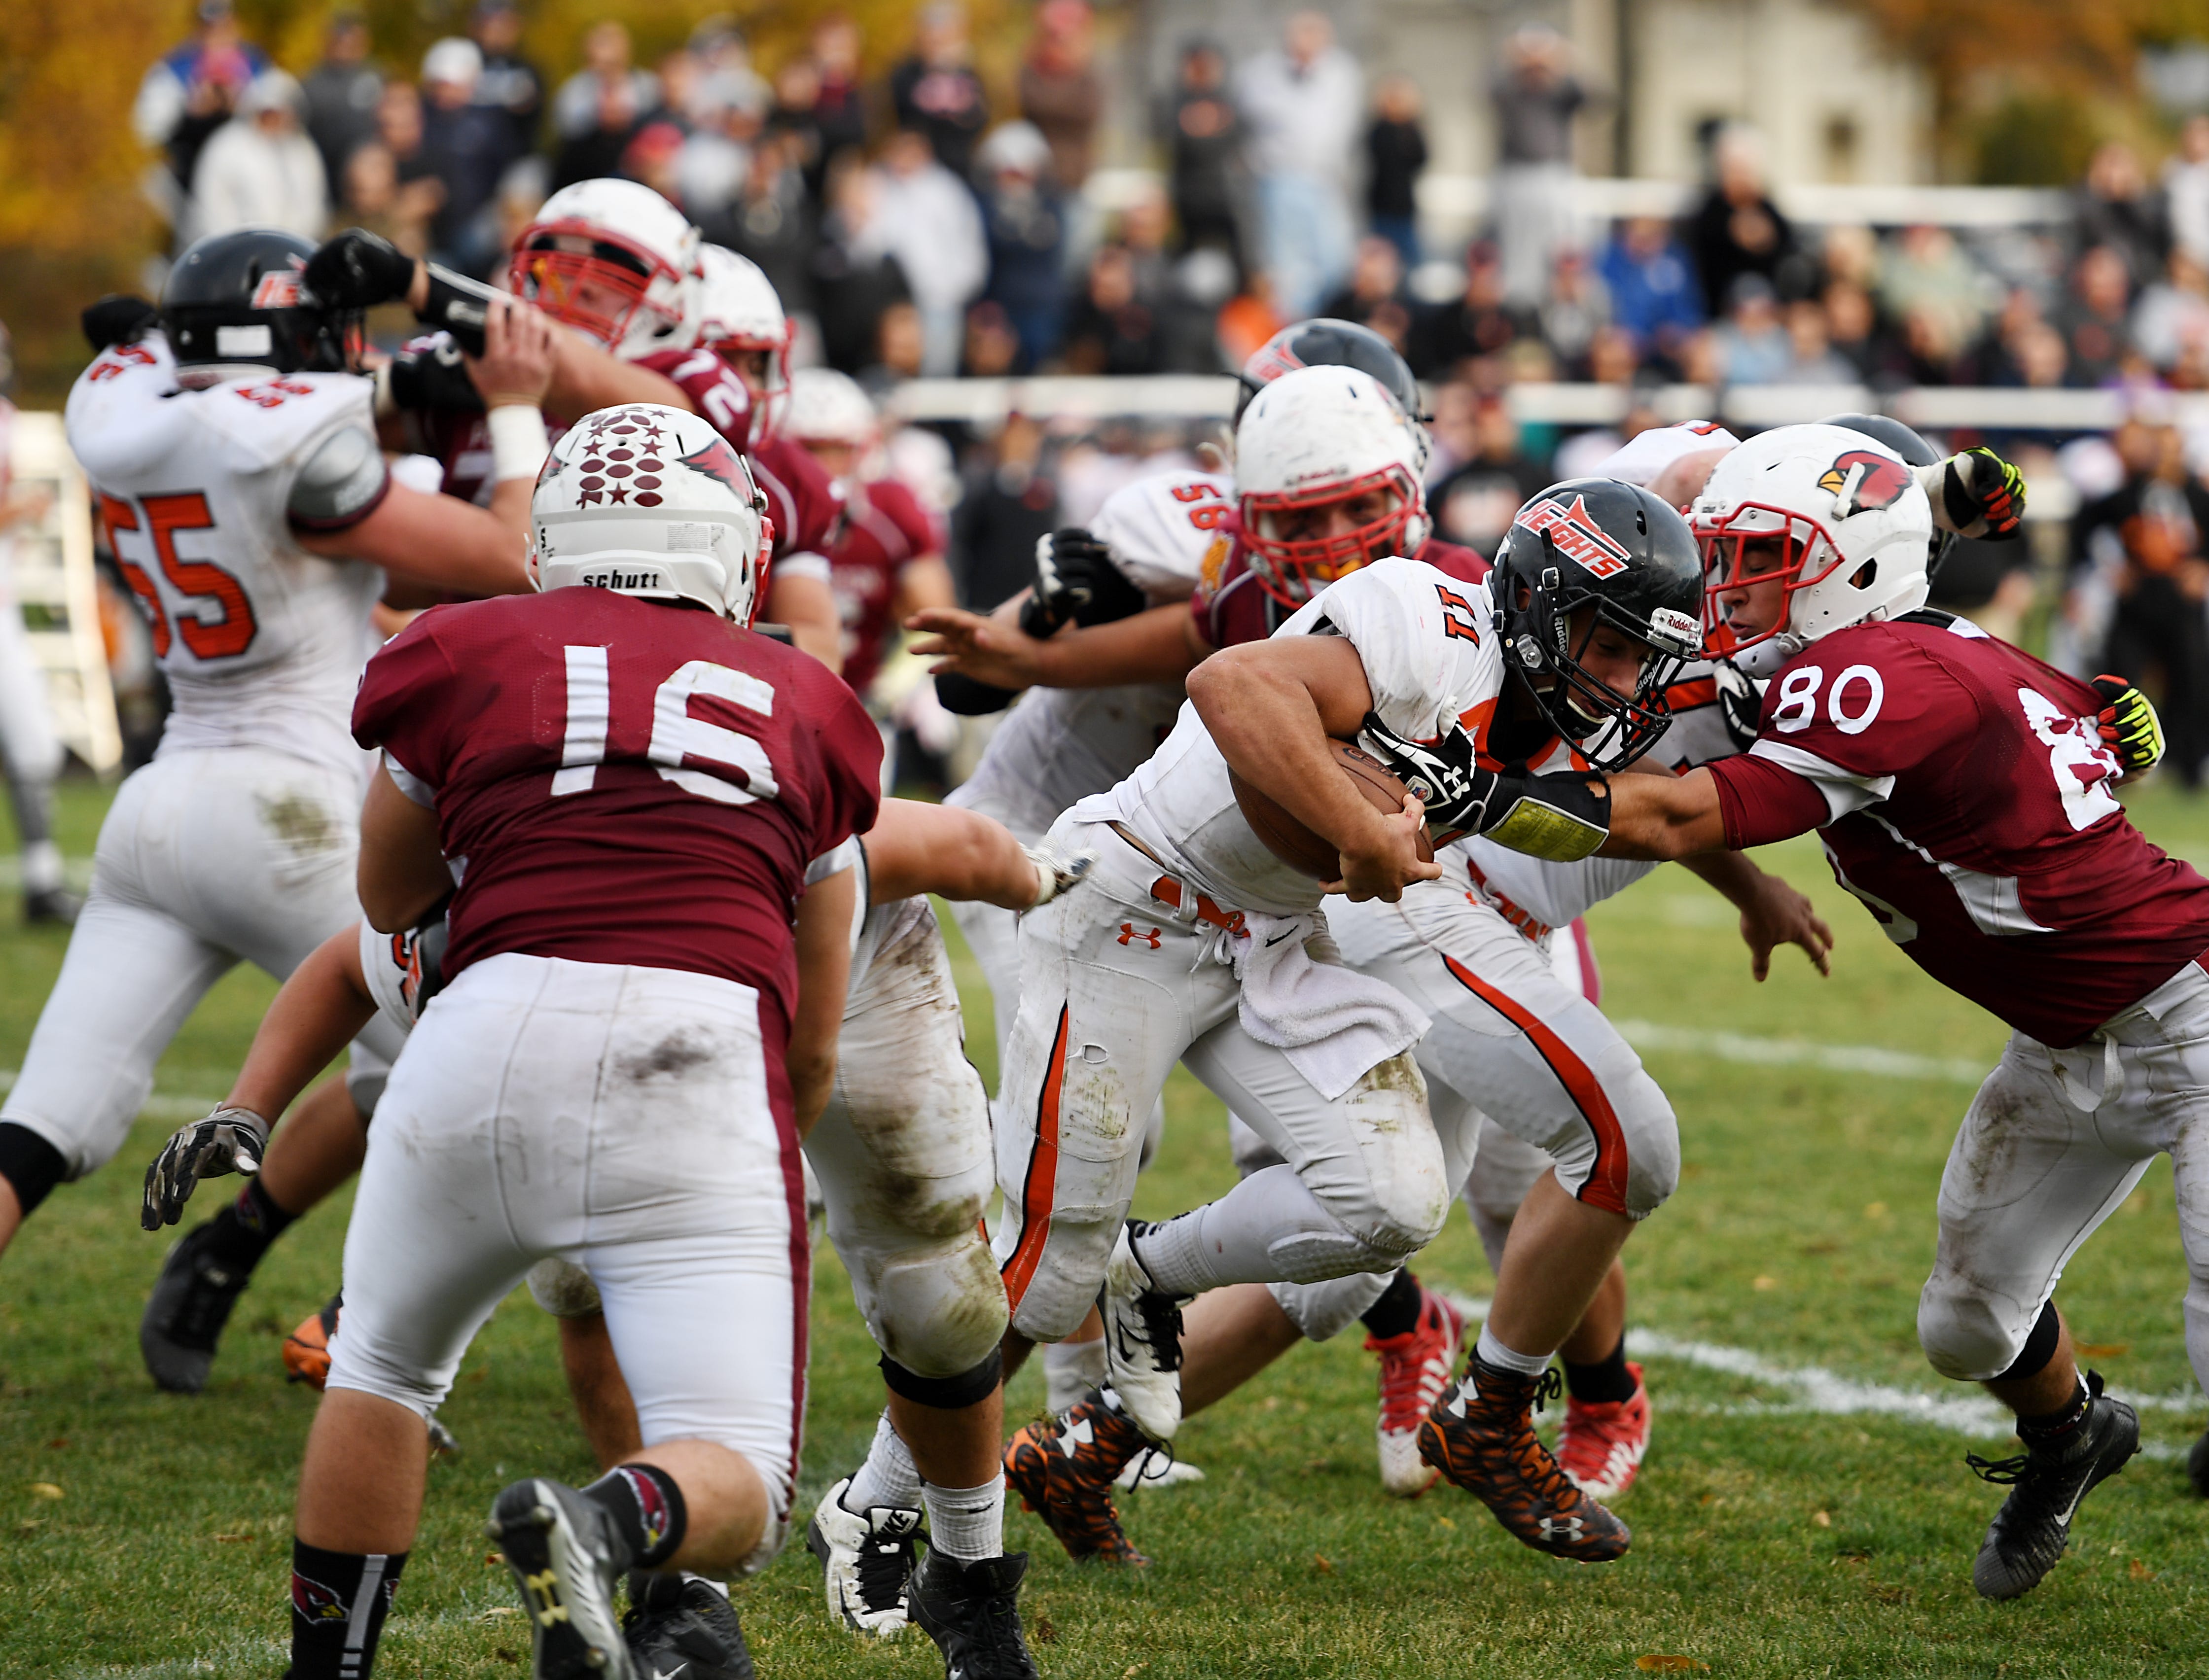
{"points": [[1963, 792], [627, 782], [1232, 607], [885, 529]]}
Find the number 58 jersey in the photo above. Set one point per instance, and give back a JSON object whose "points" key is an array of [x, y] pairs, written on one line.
{"points": [[618, 781], [1962, 791], [261, 642]]}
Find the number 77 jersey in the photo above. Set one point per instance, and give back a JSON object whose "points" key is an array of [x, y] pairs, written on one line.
{"points": [[1964, 794], [621, 781]]}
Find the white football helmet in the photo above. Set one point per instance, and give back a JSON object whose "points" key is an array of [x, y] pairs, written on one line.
{"points": [[829, 407], [1314, 436], [652, 501], [738, 310], [1838, 519], [615, 259]]}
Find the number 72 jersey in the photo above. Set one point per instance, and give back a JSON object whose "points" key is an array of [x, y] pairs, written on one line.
{"points": [[1967, 801]]}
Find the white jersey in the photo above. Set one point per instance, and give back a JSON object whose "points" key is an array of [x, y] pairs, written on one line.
{"points": [[1060, 745], [1432, 662], [261, 642]]}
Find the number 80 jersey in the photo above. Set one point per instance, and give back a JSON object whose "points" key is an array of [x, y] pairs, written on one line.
{"points": [[619, 781], [1963, 793], [260, 641]]}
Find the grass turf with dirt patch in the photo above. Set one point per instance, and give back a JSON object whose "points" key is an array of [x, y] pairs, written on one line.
{"points": [[147, 1535]]}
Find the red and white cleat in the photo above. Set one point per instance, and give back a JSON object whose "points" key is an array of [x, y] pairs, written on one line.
{"points": [[1602, 1442], [1415, 1368]]}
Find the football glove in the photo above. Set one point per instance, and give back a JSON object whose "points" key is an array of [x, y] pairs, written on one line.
{"points": [[425, 377], [1979, 494], [2128, 723], [1741, 703], [1564, 817], [1076, 581], [230, 1140], [1446, 777], [117, 319], [358, 270], [1057, 874], [963, 697]]}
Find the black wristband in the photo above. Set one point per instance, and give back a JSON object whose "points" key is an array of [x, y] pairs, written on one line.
{"points": [[970, 698], [459, 305]]}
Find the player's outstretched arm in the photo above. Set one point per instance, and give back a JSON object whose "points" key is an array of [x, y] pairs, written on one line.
{"points": [[402, 874], [916, 848], [1159, 645], [1665, 818], [1271, 707], [319, 1011], [824, 977], [1773, 912]]}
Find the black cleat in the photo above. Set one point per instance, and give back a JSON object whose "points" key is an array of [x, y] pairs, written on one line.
{"points": [[972, 1611], [2033, 1526], [191, 1302], [54, 908], [681, 1627], [2197, 1464], [566, 1556]]}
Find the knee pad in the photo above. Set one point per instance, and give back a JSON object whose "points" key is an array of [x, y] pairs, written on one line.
{"points": [[937, 1311], [563, 1288], [1966, 1338], [946, 1394], [1404, 1200], [1323, 1310]]}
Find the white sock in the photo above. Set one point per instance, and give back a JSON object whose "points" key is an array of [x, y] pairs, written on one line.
{"points": [[1070, 1371], [1233, 1240], [888, 1477], [967, 1524], [42, 866], [1490, 1350]]}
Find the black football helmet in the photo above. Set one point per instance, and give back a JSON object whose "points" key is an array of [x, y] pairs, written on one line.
{"points": [[1598, 543], [238, 300], [1323, 342], [1909, 443]]}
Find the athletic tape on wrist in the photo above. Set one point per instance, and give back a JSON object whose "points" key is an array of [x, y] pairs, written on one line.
{"points": [[519, 443]]}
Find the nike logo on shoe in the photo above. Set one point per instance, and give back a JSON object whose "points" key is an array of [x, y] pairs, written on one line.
{"points": [[674, 1673]]}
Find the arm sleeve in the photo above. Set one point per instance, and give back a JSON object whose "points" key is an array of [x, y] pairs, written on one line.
{"points": [[1760, 801], [404, 701]]}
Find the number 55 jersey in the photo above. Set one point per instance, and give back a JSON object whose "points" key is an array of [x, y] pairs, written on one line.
{"points": [[618, 781], [1962, 791]]}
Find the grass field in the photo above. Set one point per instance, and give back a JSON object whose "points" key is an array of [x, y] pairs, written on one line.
{"points": [[1785, 1525]]}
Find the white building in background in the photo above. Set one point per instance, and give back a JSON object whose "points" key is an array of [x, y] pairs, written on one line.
{"points": [[1836, 107]]}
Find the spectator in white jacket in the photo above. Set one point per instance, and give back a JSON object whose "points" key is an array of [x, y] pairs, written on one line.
{"points": [[925, 216], [1304, 107], [261, 169]]}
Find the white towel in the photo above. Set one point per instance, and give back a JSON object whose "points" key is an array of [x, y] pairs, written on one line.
{"points": [[1298, 996]]}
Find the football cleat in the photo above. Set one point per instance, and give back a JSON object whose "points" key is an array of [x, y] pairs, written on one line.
{"points": [[1480, 1434], [684, 1627], [307, 1349], [1064, 1468], [2197, 1464], [972, 1612], [191, 1302], [566, 1557], [1603, 1442], [1142, 1340], [2033, 1526], [56, 907], [866, 1562], [1415, 1369]]}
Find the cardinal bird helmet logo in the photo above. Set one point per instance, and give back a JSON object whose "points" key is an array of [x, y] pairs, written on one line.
{"points": [[1881, 485]]}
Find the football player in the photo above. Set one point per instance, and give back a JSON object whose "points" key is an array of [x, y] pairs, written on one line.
{"points": [[233, 453], [641, 786], [655, 317], [1963, 791]]}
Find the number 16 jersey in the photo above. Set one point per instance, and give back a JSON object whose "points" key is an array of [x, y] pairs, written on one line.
{"points": [[619, 781]]}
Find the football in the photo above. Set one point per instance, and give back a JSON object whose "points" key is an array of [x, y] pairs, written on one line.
{"points": [[1299, 848]]}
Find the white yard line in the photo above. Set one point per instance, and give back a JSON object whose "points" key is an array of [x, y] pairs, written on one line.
{"points": [[1803, 1053]]}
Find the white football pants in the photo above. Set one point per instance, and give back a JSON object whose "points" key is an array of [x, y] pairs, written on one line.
{"points": [[2053, 1141], [623, 1118], [205, 858], [1114, 991]]}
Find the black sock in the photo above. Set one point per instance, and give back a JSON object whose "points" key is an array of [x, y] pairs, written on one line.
{"points": [[647, 1506], [339, 1601], [1603, 1381], [1397, 1311], [2053, 1429], [243, 1230]]}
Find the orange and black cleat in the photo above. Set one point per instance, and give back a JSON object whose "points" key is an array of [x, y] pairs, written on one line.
{"points": [[1480, 1434], [1062, 1469], [307, 1349]]}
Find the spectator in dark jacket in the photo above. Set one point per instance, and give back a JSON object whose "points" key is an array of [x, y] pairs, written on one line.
{"points": [[511, 85], [2096, 320], [839, 109], [1738, 230], [467, 147], [1009, 503], [935, 90], [853, 283], [1060, 91], [596, 150], [1203, 131], [1113, 330], [342, 92], [1375, 297], [1395, 156], [1025, 226], [1475, 324], [2117, 207]]}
